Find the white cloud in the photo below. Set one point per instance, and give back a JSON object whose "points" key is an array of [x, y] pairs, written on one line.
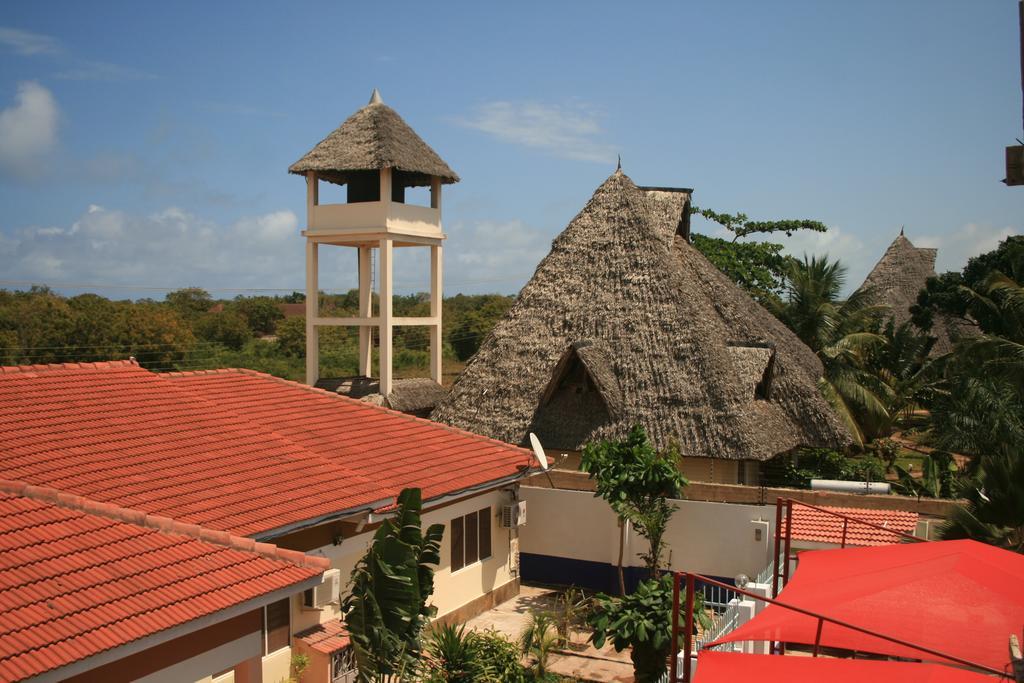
{"points": [[956, 247], [102, 71], [28, 130], [568, 131], [27, 44], [169, 248]]}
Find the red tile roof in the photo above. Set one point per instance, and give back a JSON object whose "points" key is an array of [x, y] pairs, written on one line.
{"points": [[78, 577], [236, 450], [813, 525], [328, 637], [393, 449]]}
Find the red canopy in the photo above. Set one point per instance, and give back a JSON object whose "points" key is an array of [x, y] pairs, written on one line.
{"points": [[731, 667], [962, 598]]}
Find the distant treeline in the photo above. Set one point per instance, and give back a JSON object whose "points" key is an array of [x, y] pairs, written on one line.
{"points": [[191, 330]]}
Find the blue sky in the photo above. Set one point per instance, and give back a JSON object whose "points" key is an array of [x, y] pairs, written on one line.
{"points": [[146, 144]]}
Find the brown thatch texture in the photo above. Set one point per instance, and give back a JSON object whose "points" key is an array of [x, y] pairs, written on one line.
{"points": [[660, 319], [414, 395], [373, 138], [896, 280]]}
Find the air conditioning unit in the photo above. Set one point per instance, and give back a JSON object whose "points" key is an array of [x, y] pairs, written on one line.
{"points": [[328, 590], [513, 515]]}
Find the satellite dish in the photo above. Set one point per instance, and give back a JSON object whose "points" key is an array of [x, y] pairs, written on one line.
{"points": [[538, 451]]}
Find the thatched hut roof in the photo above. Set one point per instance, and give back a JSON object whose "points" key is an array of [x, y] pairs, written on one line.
{"points": [[373, 138], [896, 280], [625, 323]]}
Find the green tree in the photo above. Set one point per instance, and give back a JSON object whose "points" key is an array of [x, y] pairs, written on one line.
{"points": [[538, 640], [226, 328], [291, 337], [153, 333], [757, 267], [741, 226], [190, 303], [642, 621], [386, 609], [260, 313], [840, 333], [994, 512], [636, 481]]}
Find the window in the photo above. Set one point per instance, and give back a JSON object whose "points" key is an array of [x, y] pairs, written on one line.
{"points": [[276, 626], [471, 538]]}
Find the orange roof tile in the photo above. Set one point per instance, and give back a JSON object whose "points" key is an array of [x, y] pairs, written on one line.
{"points": [[328, 637], [813, 525], [236, 450], [79, 578]]}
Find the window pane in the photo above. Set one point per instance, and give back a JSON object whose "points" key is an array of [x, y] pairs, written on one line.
{"points": [[472, 539], [277, 626], [485, 533], [458, 556]]}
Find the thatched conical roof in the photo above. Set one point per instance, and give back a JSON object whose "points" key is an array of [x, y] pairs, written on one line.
{"points": [[896, 280], [373, 138], [625, 323]]}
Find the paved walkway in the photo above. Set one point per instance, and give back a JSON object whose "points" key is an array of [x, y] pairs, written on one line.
{"points": [[580, 659]]}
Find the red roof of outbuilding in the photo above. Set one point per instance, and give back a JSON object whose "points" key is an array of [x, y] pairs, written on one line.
{"points": [[810, 524], [729, 667], [232, 450], [78, 578], [328, 637], [961, 598]]}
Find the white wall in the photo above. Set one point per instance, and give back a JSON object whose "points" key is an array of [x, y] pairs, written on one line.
{"points": [[715, 539]]}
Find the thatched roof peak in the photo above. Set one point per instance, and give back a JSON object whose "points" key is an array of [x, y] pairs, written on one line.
{"points": [[373, 138], [897, 279], [625, 323]]}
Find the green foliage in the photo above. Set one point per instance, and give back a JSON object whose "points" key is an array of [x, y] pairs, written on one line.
{"points": [[636, 482], [995, 510], [453, 656], [260, 313], [190, 303], [572, 606], [797, 470], [299, 664], [227, 328], [740, 226], [938, 478], [386, 609], [842, 334], [500, 655], [950, 293], [538, 640], [291, 337], [642, 621], [757, 267]]}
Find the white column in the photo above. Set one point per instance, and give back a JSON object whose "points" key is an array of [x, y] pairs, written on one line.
{"points": [[312, 311], [365, 311], [435, 194], [385, 315], [436, 299], [385, 185], [312, 196]]}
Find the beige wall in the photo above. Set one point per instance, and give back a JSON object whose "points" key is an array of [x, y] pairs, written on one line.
{"points": [[719, 471], [451, 590]]}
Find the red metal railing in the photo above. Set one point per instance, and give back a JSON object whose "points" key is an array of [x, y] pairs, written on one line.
{"points": [[822, 619]]}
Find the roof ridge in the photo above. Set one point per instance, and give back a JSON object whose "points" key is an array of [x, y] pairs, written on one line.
{"points": [[52, 367], [52, 496], [336, 395]]}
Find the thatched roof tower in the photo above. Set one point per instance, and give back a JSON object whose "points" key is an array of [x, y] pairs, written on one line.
{"points": [[373, 138], [624, 322], [896, 280]]}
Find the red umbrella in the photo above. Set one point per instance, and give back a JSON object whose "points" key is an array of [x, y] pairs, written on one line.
{"points": [[962, 598], [730, 667]]}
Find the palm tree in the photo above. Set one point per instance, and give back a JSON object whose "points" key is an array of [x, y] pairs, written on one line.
{"points": [[841, 334], [538, 640], [995, 510]]}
